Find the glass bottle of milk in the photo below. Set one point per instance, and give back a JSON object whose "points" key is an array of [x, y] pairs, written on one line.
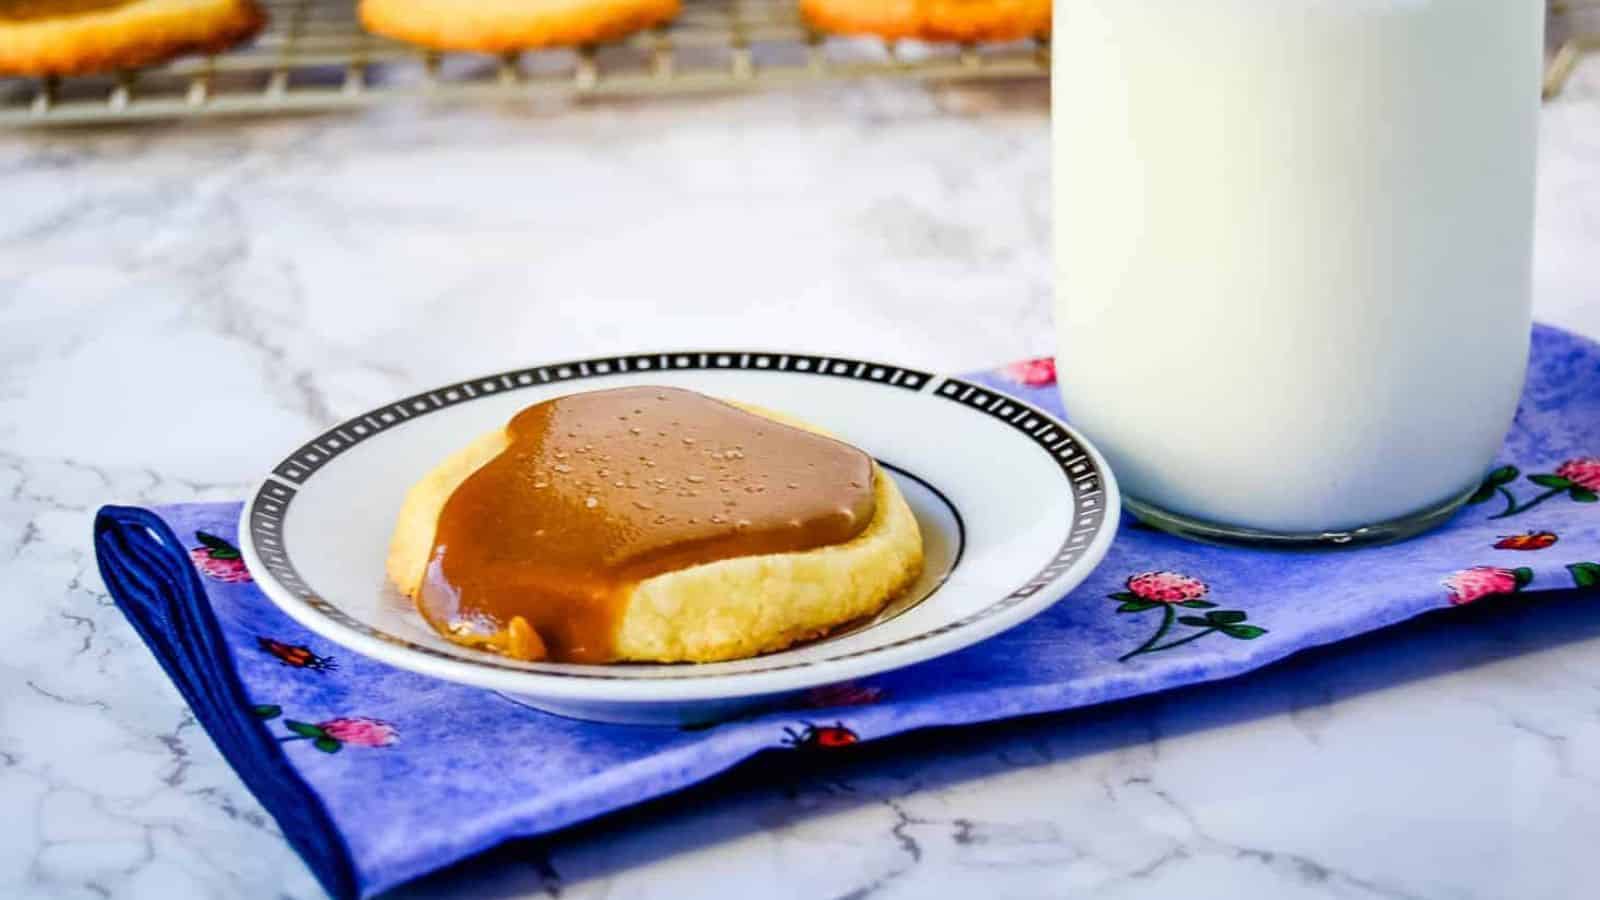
{"points": [[1292, 254]]}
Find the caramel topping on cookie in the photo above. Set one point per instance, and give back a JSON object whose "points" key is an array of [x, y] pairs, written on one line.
{"points": [[598, 491]]}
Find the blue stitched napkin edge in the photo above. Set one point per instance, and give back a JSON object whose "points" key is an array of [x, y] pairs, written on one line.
{"points": [[148, 573]]}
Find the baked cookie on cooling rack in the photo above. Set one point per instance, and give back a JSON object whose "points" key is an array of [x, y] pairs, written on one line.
{"points": [[499, 26], [932, 20], [77, 37]]}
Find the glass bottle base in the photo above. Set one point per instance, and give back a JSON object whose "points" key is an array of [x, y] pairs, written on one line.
{"points": [[1238, 536]]}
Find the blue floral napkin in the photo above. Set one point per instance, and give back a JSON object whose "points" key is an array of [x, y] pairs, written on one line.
{"points": [[378, 775]]}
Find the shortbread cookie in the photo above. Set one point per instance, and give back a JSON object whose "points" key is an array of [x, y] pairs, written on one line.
{"points": [[727, 608], [77, 37], [498, 26], [932, 20]]}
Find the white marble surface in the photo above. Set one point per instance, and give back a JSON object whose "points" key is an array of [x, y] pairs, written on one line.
{"points": [[269, 278]]}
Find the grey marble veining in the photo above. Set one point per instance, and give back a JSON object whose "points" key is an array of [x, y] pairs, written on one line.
{"points": [[180, 305]]}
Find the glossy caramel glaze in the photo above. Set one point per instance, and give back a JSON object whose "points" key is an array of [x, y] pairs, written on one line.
{"points": [[598, 491]]}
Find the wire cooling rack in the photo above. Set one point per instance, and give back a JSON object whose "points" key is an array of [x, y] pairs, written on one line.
{"points": [[314, 55]]}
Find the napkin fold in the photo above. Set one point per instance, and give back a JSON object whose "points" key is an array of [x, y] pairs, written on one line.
{"points": [[377, 775]]}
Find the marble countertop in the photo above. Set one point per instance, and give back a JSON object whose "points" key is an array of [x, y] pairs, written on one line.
{"points": [[180, 305]]}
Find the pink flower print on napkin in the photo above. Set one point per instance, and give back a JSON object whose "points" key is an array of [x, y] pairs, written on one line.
{"points": [[218, 560], [1583, 472], [1578, 479], [1169, 590], [361, 731], [1470, 585], [331, 736], [1039, 372], [1166, 587]]}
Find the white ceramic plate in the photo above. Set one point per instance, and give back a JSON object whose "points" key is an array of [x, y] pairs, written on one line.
{"points": [[1015, 509]]}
